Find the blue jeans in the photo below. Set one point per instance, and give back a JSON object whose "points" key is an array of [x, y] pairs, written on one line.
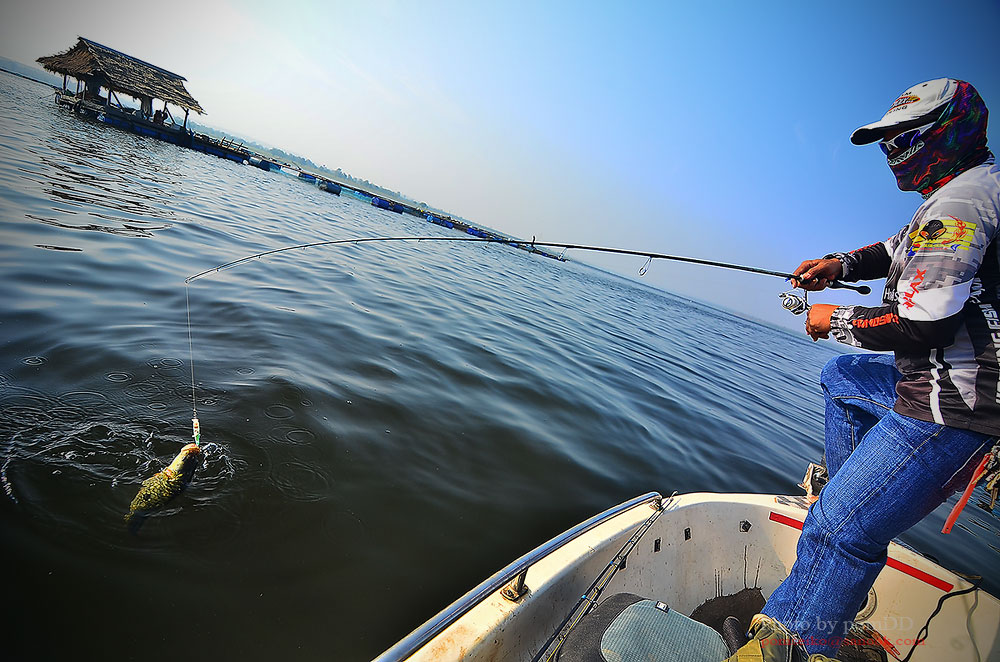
{"points": [[887, 472]]}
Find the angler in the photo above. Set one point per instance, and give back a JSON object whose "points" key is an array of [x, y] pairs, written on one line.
{"points": [[903, 430]]}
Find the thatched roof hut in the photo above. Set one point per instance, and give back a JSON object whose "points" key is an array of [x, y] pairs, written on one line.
{"points": [[88, 60]]}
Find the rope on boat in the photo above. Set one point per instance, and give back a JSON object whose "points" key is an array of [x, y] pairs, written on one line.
{"points": [[924, 631]]}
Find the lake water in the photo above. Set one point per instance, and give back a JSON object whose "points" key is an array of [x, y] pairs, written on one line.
{"points": [[385, 424]]}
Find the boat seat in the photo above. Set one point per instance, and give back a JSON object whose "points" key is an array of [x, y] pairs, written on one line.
{"points": [[630, 628]]}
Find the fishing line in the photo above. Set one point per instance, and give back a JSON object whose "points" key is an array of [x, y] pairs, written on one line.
{"points": [[195, 424]]}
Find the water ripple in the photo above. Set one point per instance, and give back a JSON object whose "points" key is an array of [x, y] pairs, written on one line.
{"points": [[278, 411], [301, 482], [522, 395]]}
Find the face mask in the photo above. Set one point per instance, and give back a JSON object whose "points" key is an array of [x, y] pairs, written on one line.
{"points": [[937, 152]]}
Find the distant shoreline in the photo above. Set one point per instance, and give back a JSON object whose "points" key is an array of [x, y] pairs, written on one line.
{"points": [[276, 154], [40, 82]]}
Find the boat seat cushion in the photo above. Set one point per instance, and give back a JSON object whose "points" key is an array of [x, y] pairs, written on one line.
{"points": [[630, 628]]}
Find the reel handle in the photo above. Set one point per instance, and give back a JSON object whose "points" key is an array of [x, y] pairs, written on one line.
{"points": [[860, 289], [837, 284]]}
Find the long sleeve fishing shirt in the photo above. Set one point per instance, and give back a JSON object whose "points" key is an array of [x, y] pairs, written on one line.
{"points": [[940, 311]]}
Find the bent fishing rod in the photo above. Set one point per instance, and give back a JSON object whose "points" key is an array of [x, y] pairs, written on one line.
{"points": [[861, 289], [789, 301]]}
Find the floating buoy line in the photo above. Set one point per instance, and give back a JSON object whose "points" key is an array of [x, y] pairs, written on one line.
{"points": [[793, 302]]}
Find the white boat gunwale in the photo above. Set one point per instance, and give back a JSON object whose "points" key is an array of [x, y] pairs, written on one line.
{"points": [[446, 617]]}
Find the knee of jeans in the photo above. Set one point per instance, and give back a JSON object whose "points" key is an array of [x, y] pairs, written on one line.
{"points": [[843, 529], [833, 370]]}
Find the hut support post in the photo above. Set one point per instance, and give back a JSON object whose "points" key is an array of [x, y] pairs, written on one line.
{"points": [[186, 111], [64, 81]]}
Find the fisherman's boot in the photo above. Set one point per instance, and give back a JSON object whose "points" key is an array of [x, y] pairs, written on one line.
{"points": [[773, 642], [866, 644]]}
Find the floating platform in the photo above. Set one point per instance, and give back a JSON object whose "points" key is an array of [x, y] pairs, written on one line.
{"points": [[132, 120]]}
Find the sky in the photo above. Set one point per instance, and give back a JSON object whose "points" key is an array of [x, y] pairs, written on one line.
{"points": [[717, 130]]}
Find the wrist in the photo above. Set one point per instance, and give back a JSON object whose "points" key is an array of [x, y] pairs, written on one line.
{"points": [[844, 260], [840, 325]]}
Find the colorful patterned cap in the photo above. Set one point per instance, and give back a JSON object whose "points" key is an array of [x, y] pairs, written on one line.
{"points": [[915, 106]]}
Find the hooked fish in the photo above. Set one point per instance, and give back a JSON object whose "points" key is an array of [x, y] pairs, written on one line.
{"points": [[159, 489]]}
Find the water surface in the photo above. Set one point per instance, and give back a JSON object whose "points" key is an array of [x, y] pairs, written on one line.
{"points": [[385, 424]]}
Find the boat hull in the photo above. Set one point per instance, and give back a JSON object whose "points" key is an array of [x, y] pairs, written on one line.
{"points": [[693, 548]]}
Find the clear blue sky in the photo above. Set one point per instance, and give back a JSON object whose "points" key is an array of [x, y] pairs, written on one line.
{"points": [[716, 130]]}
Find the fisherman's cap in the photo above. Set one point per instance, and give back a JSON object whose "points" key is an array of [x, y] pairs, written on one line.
{"points": [[914, 107]]}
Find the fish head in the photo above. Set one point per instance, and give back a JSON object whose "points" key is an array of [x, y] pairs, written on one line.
{"points": [[188, 459], [191, 449]]}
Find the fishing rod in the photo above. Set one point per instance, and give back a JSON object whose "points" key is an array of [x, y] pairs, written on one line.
{"points": [[789, 301], [861, 289]]}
